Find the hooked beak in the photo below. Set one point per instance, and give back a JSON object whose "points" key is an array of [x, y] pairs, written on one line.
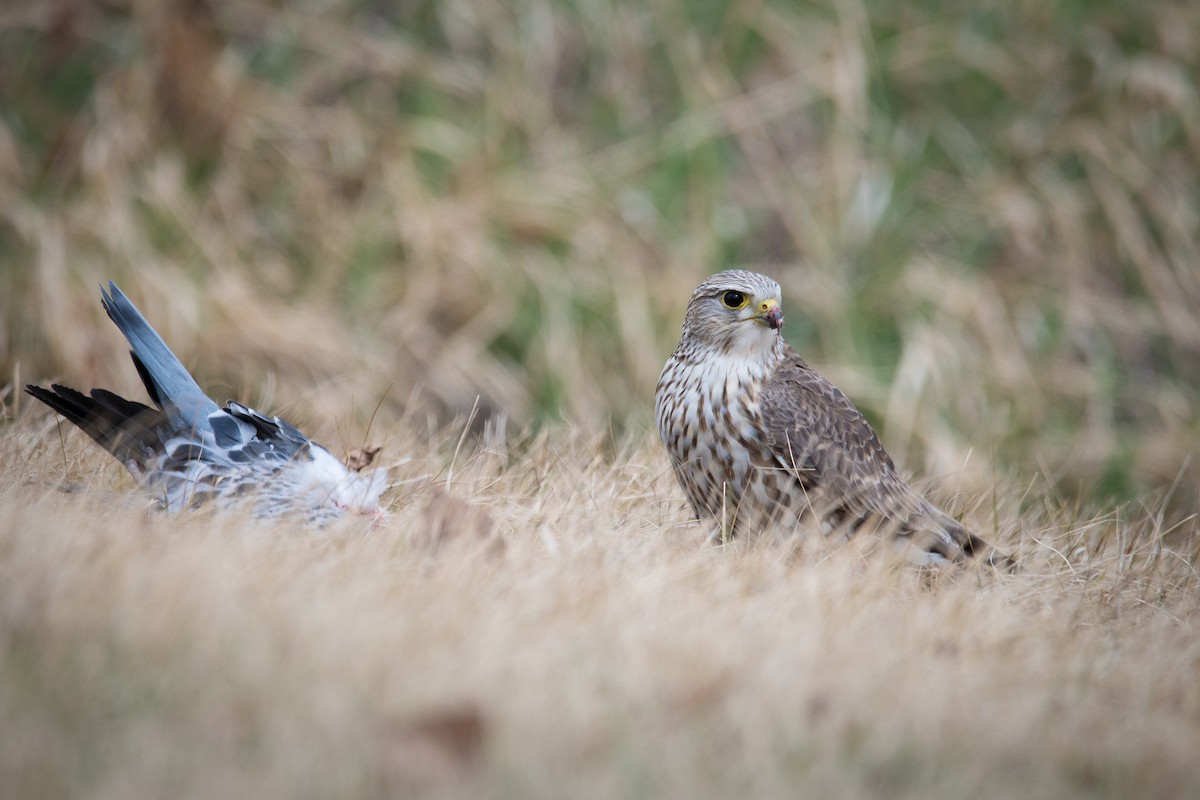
{"points": [[770, 314]]}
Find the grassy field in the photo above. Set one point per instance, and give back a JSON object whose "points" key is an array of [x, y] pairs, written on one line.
{"points": [[467, 231]]}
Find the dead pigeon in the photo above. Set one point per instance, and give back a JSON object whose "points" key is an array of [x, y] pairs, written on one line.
{"points": [[188, 451]]}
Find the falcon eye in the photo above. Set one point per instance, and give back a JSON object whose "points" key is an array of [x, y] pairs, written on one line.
{"points": [[733, 299]]}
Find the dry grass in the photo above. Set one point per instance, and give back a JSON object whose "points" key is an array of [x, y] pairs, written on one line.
{"points": [[371, 219], [568, 634]]}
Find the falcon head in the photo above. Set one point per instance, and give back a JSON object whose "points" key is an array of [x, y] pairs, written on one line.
{"points": [[735, 311]]}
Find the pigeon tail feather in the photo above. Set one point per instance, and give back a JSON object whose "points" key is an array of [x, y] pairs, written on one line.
{"points": [[170, 385]]}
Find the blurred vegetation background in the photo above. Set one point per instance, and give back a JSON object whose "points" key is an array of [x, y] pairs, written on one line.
{"points": [[984, 215]]}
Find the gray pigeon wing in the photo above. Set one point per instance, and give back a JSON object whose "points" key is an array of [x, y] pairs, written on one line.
{"points": [[241, 452], [268, 434]]}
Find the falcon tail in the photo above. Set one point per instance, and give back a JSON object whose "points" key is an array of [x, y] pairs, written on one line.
{"points": [[170, 385], [130, 431]]}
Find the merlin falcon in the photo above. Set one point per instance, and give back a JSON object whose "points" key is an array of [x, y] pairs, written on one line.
{"points": [[759, 441]]}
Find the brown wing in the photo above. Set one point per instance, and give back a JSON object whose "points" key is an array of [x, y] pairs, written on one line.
{"points": [[816, 431]]}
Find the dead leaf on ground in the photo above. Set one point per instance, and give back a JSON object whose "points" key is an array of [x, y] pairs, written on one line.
{"points": [[435, 747], [360, 458]]}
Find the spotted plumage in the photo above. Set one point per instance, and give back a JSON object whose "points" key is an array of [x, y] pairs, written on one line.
{"points": [[758, 440], [186, 451]]}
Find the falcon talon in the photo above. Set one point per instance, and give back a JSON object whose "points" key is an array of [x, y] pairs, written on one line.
{"points": [[749, 426]]}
